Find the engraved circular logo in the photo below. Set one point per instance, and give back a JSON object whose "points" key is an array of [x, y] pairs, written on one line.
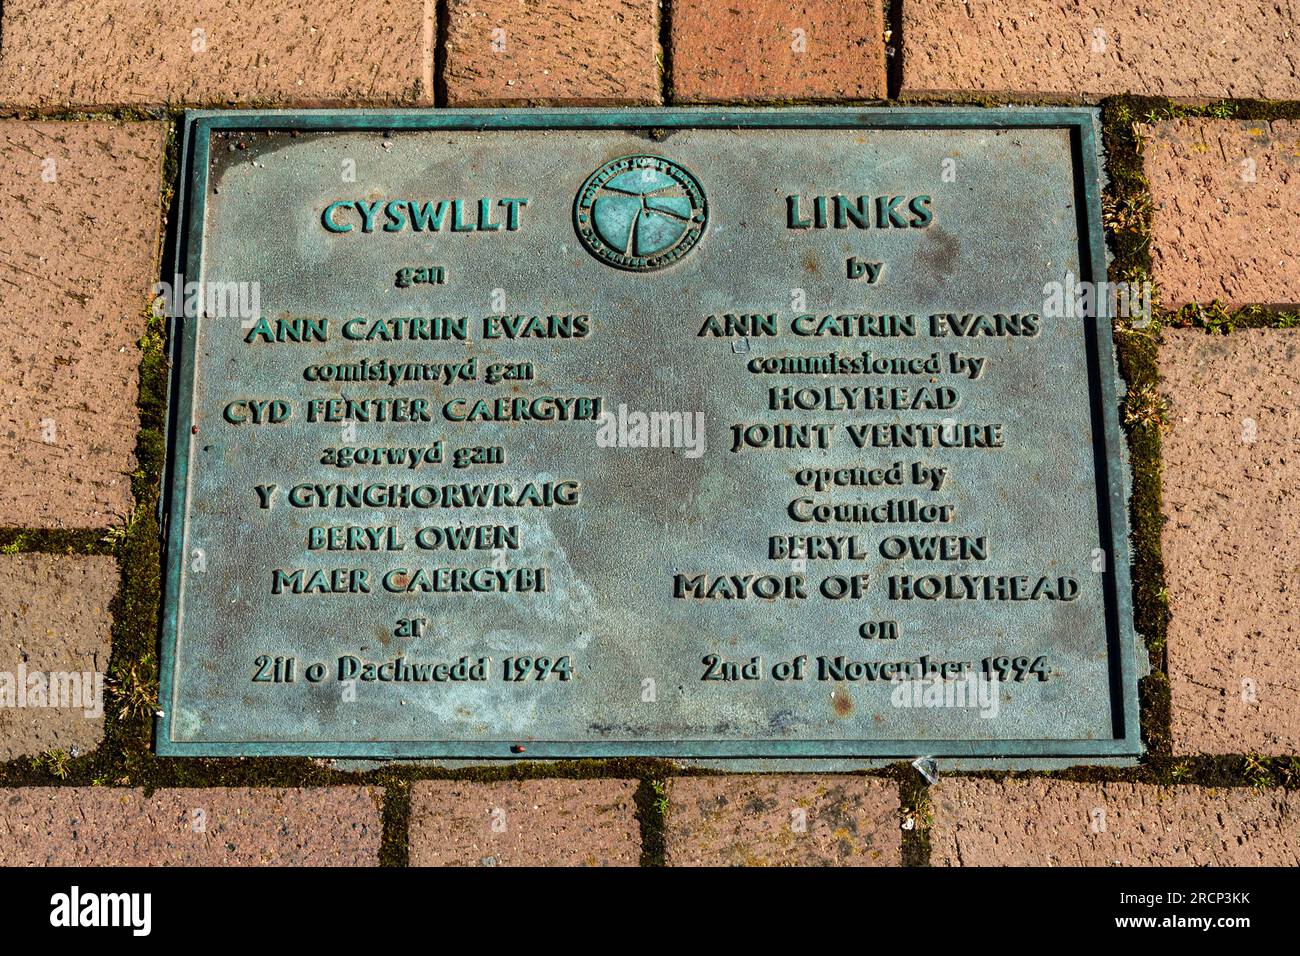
{"points": [[640, 213]]}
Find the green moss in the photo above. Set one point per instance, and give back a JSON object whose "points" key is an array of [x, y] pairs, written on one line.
{"points": [[442, 13], [18, 540], [652, 816], [394, 849], [1128, 200], [914, 802], [53, 762], [1216, 318]]}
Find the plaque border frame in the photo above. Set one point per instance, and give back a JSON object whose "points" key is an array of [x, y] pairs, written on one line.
{"points": [[1124, 645]]}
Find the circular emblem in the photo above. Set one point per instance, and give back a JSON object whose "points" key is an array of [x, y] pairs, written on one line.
{"points": [[640, 213]]}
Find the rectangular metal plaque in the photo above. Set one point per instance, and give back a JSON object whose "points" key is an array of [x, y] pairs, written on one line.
{"points": [[684, 433]]}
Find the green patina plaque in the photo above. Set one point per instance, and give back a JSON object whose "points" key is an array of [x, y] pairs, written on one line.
{"points": [[687, 433]]}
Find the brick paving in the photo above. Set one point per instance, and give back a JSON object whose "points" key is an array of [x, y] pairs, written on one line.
{"points": [[770, 51], [80, 236], [1225, 195], [782, 820], [525, 823], [110, 826], [54, 650], [1054, 823], [552, 53], [216, 53], [1231, 539], [1068, 50]]}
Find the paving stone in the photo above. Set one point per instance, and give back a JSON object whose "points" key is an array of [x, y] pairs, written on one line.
{"points": [[1231, 540], [215, 52], [525, 823], [782, 820], [1225, 210], [55, 631], [560, 52], [768, 50], [105, 826], [79, 246], [1073, 50], [1041, 822]]}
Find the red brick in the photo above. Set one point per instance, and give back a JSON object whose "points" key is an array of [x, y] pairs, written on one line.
{"points": [[102, 826], [54, 617], [782, 820], [766, 51], [146, 52], [79, 243], [561, 52], [1048, 48], [1231, 539], [525, 823], [1226, 210], [1053, 823]]}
